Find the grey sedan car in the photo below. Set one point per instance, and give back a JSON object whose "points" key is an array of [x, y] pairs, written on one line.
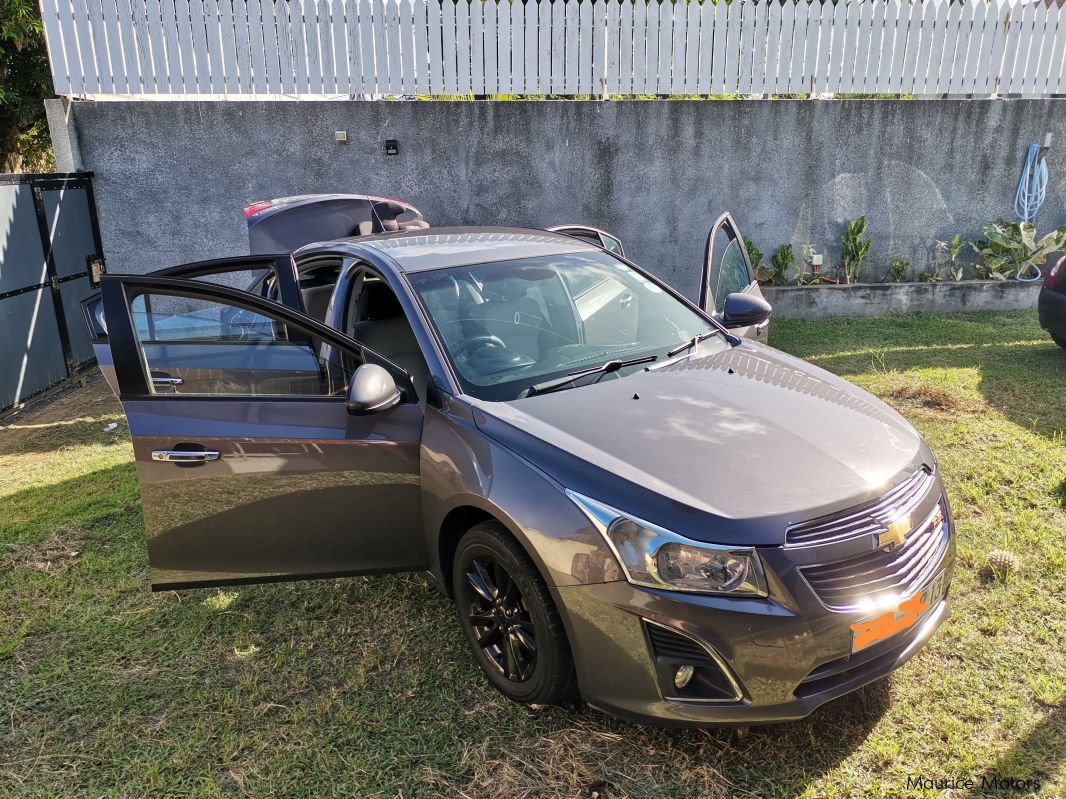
{"points": [[630, 498]]}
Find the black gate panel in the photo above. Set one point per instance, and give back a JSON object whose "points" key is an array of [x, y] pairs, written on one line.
{"points": [[48, 230]]}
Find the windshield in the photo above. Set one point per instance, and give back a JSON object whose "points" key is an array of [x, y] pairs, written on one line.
{"points": [[510, 325]]}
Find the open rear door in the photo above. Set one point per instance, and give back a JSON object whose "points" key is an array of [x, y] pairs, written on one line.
{"points": [[727, 270]]}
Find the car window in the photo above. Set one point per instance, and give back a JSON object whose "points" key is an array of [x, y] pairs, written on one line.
{"points": [[730, 272], [200, 347], [509, 325], [611, 244]]}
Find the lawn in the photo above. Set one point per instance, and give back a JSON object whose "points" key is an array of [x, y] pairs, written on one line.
{"points": [[363, 687]]}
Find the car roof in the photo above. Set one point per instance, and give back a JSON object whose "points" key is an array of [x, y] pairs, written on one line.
{"points": [[441, 248]]}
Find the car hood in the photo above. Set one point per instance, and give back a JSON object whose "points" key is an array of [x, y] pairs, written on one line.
{"points": [[728, 447]]}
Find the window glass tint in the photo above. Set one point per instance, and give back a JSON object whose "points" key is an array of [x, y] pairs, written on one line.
{"points": [[584, 235], [611, 244], [320, 276], [730, 272], [509, 325], [194, 346]]}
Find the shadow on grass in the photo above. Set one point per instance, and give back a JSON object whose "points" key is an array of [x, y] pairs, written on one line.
{"points": [[782, 760], [1036, 757], [90, 503], [1060, 493]]}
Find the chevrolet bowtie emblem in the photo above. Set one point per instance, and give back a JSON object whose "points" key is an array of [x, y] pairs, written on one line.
{"points": [[895, 532]]}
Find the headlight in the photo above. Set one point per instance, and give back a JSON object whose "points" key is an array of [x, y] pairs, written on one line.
{"points": [[655, 557]]}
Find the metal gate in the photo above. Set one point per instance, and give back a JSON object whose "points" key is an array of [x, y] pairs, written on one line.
{"points": [[48, 236]]}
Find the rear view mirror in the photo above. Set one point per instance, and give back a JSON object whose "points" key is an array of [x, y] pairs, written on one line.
{"points": [[744, 310], [372, 390]]}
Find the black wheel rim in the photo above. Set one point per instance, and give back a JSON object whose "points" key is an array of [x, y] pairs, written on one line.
{"points": [[500, 619]]}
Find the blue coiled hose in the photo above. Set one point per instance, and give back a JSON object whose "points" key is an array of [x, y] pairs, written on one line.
{"points": [[1032, 189]]}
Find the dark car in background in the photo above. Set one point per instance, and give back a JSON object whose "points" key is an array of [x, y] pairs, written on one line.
{"points": [[1051, 303], [628, 496]]}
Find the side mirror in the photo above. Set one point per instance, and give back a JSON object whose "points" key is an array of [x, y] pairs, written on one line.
{"points": [[743, 310], [372, 390]]}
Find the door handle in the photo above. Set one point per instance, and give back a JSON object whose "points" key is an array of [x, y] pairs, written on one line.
{"points": [[185, 456], [167, 381]]}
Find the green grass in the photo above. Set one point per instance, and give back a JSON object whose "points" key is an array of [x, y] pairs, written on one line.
{"points": [[363, 687]]}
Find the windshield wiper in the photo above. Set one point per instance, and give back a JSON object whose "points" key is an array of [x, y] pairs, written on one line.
{"points": [[691, 343], [603, 369]]}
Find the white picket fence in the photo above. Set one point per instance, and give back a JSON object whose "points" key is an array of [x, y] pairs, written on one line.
{"points": [[330, 48]]}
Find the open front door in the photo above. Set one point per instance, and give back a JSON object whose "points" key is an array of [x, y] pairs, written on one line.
{"points": [[251, 467], [727, 270], [601, 238]]}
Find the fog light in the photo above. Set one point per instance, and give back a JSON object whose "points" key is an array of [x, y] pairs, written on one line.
{"points": [[683, 676]]}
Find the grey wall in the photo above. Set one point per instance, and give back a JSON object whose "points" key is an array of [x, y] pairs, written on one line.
{"points": [[172, 177], [890, 299]]}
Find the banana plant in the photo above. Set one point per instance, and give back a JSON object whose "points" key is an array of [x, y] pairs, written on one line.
{"points": [[1010, 249]]}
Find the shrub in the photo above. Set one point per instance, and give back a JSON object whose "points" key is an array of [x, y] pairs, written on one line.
{"points": [[952, 249], [900, 267], [782, 261], [1009, 249], [754, 253], [854, 248]]}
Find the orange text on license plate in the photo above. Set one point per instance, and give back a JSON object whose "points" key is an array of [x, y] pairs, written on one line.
{"points": [[869, 631]]}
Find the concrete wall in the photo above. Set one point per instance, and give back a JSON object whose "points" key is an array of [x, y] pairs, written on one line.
{"points": [[172, 177], [887, 299]]}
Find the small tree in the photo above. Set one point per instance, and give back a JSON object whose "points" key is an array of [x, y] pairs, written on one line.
{"points": [[853, 248], [25, 81]]}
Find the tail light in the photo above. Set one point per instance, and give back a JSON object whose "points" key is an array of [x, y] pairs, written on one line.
{"points": [[255, 208], [1054, 273]]}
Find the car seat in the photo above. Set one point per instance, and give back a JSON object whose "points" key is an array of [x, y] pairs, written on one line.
{"points": [[383, 327], [511, 315]]}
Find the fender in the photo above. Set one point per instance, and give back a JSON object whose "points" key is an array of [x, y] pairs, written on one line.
{"points": [[486, 476]]}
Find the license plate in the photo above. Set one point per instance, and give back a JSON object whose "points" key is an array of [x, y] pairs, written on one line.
{"points": [[874, 629]]}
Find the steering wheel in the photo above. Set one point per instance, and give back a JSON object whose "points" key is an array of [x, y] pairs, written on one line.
{"points": [[475, 343]]}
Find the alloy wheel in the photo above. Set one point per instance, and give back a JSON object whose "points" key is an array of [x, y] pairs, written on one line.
{"points": [[500, 620]]}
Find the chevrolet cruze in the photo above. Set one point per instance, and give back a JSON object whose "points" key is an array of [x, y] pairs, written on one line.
{"points": [[630, 498]]}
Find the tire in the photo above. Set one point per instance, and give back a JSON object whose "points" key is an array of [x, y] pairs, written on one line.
{"points": [[1060, 340], [521, 644]]}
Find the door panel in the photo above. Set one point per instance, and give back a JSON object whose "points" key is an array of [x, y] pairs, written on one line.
{"points": [[299, 488], [727, 270], [601, 238]]}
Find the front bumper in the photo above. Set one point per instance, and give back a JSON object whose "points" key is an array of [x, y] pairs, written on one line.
{"points": [[787, 653]]}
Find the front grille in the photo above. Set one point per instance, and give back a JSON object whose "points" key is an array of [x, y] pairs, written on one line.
{"points": [[848, 584], [863, 520]]}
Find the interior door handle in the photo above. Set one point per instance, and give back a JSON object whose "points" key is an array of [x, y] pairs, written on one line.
{"points": [[185, 456], [167, 381]]}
